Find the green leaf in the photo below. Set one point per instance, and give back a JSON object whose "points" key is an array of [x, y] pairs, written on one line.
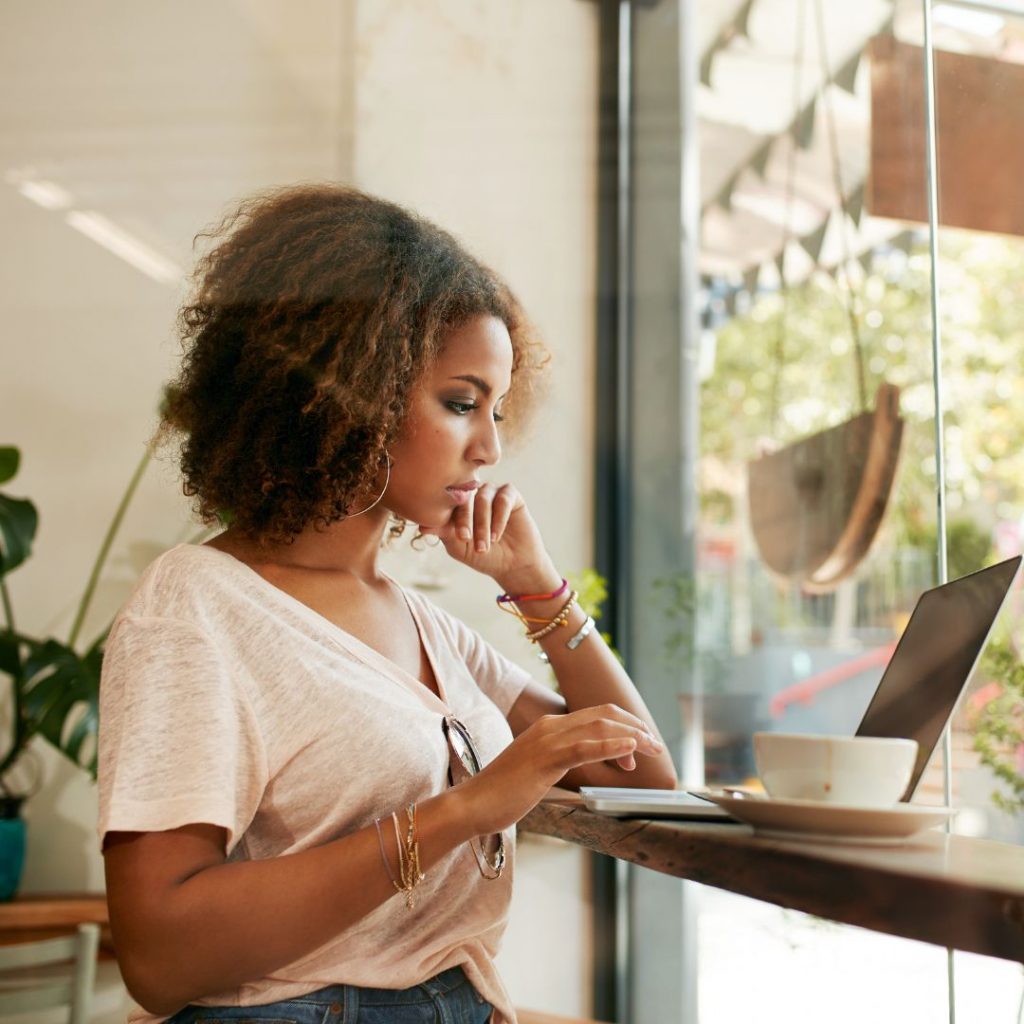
{"points": [[57, 683], [10, 459], [18, 522], [10, 653]]}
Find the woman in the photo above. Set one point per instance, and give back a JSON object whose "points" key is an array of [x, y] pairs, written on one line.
{"points": [[309, 775]]}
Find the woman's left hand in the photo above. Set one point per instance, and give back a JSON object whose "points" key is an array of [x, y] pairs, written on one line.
{"points": [[495, 534]]}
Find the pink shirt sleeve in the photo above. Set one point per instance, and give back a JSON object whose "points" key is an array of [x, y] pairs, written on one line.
{"points": [[179, 743]]}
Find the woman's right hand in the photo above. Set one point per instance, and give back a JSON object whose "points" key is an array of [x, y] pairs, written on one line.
{"points": [[518, 778]]}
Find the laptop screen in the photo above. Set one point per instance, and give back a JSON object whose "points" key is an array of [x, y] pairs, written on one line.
{"points": [[934, 659]]}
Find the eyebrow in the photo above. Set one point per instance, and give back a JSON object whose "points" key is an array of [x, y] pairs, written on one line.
{"points": [[484, 388]]}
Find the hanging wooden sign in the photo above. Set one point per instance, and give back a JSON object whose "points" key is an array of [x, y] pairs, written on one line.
{"points": [[816, 505], [979, 109]]}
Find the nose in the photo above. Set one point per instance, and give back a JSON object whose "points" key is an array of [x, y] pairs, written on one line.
{"points": [[485, 449]]}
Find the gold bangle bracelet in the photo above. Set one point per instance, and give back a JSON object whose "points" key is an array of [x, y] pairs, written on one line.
{"points": [[408, 857]]}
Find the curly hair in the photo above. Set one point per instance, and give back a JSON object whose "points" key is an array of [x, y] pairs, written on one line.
{"points": [[315, 313]]}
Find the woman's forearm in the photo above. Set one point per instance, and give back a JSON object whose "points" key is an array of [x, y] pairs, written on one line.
{"points": [[592, 675], [234, 922], [589, 675]]}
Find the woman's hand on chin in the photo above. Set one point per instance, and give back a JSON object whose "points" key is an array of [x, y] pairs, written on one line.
{"points": [[495, 534]]}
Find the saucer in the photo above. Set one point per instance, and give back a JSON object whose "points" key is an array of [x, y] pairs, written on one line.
{"points": [[828, 822]]}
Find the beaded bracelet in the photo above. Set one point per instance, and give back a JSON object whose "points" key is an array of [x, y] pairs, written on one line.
{"points": [[558, 621]]}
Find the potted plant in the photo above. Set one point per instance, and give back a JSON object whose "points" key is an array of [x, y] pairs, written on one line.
{"points": [[998, 723], [53, 684]]}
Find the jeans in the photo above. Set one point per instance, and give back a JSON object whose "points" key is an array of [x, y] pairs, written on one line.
{"points": [[447, 998]]}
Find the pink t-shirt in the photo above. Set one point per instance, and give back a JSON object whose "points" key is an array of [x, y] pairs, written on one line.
{"points": [[226, 701]]}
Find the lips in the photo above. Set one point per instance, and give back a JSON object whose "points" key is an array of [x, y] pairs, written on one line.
{"points": [[461, 493]]}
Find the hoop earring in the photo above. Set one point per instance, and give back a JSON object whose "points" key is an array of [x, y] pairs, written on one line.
{"points": [[376, 501]]}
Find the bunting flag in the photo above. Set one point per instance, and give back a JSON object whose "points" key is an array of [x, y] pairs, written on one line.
{"points": [[742, 20], [730, 301], [866, 260], [759, 161], [855, 204], [801, 129], [846, 76], [750, 279], [904, 241], [811, 243], [724, 197], [738, 26], [803, 125]]}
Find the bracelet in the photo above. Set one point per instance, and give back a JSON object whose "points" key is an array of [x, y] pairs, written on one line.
{"points": [[509, 598], [524, 619], [530, 621], [401, 855], [584, 631], [383, 853], [408, 857], [412, 850], [559, 620]]}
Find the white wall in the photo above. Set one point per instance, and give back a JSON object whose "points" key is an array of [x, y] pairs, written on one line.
{"points": [[479, 113], [157, 121]]}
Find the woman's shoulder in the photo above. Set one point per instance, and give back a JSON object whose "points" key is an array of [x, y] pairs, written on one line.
{"points": [[187, 581]]}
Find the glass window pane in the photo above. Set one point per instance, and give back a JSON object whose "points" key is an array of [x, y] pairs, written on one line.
{"points": [[816, 284]]}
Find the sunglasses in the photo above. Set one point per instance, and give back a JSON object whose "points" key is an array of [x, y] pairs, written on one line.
{"points": [[463, 763]]}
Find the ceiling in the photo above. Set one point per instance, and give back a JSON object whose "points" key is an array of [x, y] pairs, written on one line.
{"points": [[145, 119], [784, 120]]}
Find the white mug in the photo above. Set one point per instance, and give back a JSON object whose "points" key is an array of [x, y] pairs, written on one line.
{"points": [[863, 771]]}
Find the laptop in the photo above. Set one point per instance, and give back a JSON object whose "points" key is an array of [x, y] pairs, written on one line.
{"points": [[915, 697]]}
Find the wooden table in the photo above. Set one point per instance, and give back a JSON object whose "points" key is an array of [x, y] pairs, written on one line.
{"points": [[50, 915], [950, 890]]}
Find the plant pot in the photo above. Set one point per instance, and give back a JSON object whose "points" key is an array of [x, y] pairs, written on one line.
{"points": [[12, 846]]}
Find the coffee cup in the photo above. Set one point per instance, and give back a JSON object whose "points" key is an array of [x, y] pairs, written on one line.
{"points": [[862, 771]]}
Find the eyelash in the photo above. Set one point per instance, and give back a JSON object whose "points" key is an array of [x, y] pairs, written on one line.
{"points": [[463, 408]]}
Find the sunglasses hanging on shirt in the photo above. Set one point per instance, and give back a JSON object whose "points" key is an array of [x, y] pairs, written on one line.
{"points": [[463, 763]]}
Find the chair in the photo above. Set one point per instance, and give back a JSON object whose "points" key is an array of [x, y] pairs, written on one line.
{"points": [[50, 973]]}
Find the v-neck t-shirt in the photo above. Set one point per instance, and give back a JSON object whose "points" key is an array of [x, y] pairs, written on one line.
{"points": [[226, 701]]}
